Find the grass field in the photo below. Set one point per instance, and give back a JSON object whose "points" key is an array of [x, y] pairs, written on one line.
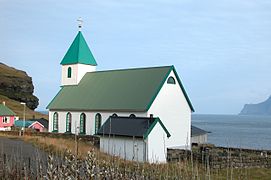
{"points": [[101, 165]]}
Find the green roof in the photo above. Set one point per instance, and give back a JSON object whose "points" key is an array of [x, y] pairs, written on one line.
{"points": [[115, 90], [5, 111], [20, 123], [79, 52]]}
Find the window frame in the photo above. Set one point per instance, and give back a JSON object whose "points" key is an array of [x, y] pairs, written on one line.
{"points": [[98, 122], [68, 122], [82, 129], [171, 80], [55, 122], [69, 73]]}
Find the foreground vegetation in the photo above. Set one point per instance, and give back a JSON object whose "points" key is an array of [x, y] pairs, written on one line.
{"points": [[66, 162]]}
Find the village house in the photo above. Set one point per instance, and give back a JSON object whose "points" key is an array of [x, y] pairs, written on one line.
{"points": [[7, 117], [40, 125], [89, 98]]}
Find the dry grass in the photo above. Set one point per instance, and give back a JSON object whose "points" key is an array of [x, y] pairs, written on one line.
{"points": [[113, 167]]}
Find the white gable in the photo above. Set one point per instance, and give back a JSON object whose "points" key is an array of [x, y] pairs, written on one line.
{"points": [[171, 106]]}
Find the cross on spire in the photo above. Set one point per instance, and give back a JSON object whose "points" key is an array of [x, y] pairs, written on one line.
{"points": [[80, 23]]}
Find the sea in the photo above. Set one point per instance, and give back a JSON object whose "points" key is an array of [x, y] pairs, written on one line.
{"points": [[240, 131]]}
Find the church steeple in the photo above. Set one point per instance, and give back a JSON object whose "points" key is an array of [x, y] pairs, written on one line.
{"points": [[77, 61], [79, 52]]}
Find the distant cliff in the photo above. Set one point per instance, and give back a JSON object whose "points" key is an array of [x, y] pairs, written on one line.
{"points": [[17, 85], [263, 108]]}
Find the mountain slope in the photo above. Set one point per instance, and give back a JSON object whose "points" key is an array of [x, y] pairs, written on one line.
{"points": [[17, 85]]}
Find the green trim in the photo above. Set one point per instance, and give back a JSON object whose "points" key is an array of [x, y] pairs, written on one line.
{"points": [[184, 92], [61, 87], [159, 88], [163, 82], [55, 131], [152, 126]]}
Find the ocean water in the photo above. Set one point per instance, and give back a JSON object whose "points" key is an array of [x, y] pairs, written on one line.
{"points": [[253, 132]]}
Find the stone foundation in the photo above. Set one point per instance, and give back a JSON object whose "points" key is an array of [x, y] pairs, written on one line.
{"points": [[220, 157]]}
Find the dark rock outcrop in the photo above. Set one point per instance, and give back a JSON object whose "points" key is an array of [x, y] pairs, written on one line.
{"points": [[17, 85], [263, 108]]}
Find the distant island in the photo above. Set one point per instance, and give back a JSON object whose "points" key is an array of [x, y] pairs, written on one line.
{"points": [[263, 108]]}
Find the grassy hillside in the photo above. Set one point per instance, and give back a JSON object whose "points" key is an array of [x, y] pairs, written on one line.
{"points": [[19, 109]]}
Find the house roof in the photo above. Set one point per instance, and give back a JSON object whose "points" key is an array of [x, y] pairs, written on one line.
{"points": [[20, 123], [79, 52], [30, 122], [139, 127], [115, 90], [5, 111], [195, 131], [42, 121]]}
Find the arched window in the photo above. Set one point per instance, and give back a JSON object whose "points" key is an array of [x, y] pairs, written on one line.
{"points": [[55, 122], [68, 122], [69, 72], [98, 122], [171, 80], [132, 116], [83, 123], [114, 115]]}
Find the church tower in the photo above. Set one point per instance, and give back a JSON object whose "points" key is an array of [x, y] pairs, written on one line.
{"points": [[77, 61]]}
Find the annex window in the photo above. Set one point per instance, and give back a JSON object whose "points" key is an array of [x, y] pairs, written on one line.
{"points": [[69, 72], [98, 122], [83, 123], [68, 122], [132, 116], [55, 122], [171, 80]]}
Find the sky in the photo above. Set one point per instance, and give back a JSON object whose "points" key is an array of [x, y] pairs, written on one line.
{"points": [[221, 49]]}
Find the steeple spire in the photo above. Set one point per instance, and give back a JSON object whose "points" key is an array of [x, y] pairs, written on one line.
{"points": [[80, 23]]}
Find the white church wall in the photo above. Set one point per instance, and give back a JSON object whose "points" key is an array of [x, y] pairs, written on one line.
{"points": [[172, 108], [156, 148], [83, 69], [90, 119], [64, 75], [125, 147], [78, 72]]}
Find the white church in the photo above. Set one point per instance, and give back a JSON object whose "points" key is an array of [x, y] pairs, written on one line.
{"points": [[137, 113]]}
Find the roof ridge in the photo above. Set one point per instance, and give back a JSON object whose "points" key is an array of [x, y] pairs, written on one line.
{"points": [[130, 69]]}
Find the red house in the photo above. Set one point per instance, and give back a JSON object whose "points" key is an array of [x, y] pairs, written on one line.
{"points": [[7, 117]]}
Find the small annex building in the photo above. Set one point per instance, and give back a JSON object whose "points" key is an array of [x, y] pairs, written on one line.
{"points": [[134, 138], [7, 117], [198, 136], [87, 98]]}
